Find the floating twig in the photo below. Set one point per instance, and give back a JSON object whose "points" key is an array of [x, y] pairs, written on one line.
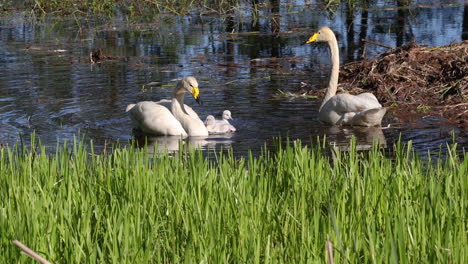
{"points": [[329, 247]]}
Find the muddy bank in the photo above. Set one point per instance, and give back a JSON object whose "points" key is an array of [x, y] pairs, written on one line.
{"points": [[415, 80]]}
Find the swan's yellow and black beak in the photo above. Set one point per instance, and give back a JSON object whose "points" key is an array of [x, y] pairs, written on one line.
{"points": [[312, 39], [196, 95]]}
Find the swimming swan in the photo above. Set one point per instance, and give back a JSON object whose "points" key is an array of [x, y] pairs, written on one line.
{"points": [[170, 117], [345, 109], [219, 126]]}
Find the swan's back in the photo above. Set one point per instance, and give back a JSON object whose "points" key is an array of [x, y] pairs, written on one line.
{"points": [[344, 103], [218, 126], [155, 119], [368, 97], [356, 110]]}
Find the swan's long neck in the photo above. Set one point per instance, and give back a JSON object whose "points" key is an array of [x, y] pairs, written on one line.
{"points": [[192, 126], [177, 106], [335, 69]]}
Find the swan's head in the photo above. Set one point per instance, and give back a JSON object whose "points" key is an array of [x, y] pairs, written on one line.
{"points": [[209, 120], [324, 34], [227, 115], [190, 85]]}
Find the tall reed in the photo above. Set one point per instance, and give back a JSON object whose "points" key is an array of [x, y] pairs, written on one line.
{"points": [[130, 206]]}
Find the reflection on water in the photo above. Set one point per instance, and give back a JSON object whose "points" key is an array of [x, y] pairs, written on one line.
{"points": [[47, 84], [169, 144], [365, 137]]}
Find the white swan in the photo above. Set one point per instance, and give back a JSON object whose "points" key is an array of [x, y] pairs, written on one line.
{"points": [[219, 126], [345, 109], [170, 117], [227, 116]]}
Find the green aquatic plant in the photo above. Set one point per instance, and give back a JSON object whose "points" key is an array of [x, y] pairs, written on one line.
{"points": [[133, 7], [131, 205], [423, 108]]}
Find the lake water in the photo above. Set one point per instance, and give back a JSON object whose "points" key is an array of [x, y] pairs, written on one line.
{"points": [[48, 85]]}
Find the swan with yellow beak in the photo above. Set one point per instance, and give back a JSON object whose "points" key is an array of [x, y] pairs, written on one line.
{"points": [[170, 117], [345, 109]]}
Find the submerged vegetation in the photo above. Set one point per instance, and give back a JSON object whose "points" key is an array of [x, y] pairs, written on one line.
{"points": [[134, 6], [179, 7], [130, 206]]}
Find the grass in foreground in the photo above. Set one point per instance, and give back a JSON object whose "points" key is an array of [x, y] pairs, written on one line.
{"points": [[129, 206]]}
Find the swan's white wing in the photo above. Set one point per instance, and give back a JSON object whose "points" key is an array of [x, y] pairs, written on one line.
{"points": [[220, 127], [217, 129], [165, 102], [368, 96], [346, 109], [370, 117], [343, 103], [155, 119], [232, 128]]}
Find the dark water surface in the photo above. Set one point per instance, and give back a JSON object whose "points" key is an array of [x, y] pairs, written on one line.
{"points": [[48, 85]]}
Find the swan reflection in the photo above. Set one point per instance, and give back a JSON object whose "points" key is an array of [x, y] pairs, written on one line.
{"points": [[365, 137], [175, 143]]}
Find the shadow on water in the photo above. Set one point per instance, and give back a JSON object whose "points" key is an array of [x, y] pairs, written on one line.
{"points": [[242, 61]]}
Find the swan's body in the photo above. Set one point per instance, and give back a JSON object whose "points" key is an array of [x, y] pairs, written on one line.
{"points": [[345, 109], [170, 117], [219, 126]]}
